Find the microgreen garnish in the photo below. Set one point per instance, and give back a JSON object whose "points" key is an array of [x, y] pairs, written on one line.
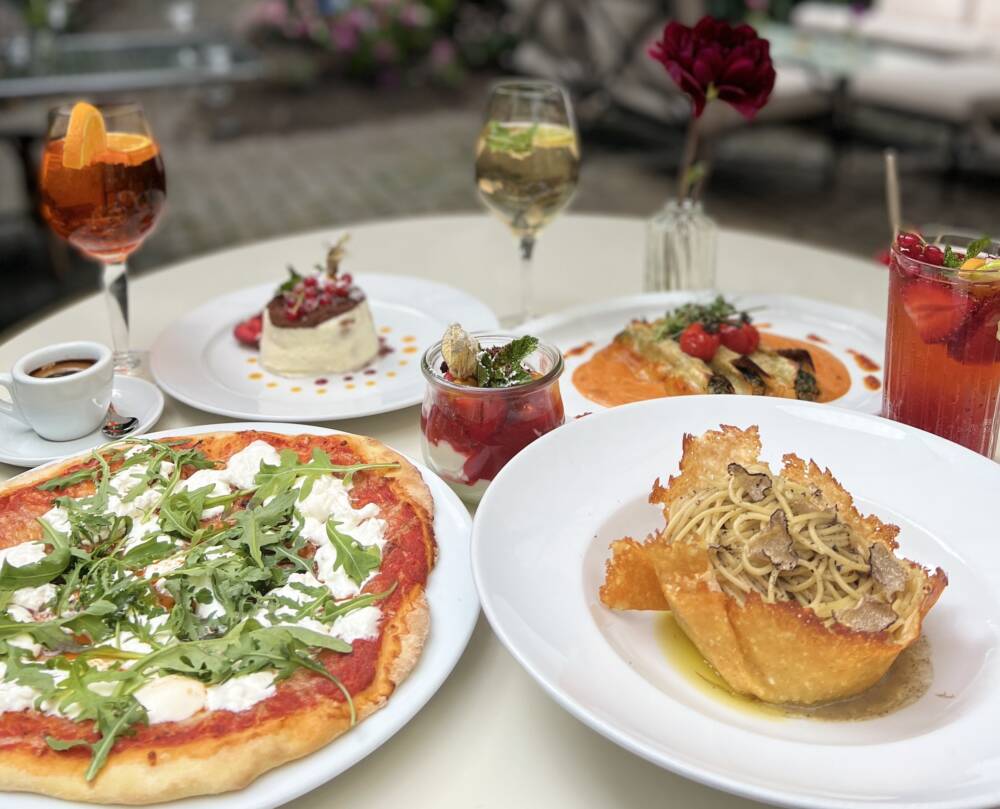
{"points": [[711, 315], [503, 366], [510, 139]]}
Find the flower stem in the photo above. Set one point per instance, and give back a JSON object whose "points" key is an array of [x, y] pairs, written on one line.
{"points": [[687, 159]]}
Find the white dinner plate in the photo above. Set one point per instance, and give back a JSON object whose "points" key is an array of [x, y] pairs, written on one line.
{"points": [[540, 542], [581, 331], [131, 396], [454, 611], [197, 360]]}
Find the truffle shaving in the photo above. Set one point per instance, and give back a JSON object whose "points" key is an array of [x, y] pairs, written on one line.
{"points": [[868, 616], [887, 569], [774, 544], [755, 486]]}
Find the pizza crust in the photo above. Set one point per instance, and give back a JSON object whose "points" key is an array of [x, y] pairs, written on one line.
{"points": [[208, 766]]}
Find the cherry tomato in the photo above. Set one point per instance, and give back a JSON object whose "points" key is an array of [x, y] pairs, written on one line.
{"points": [[697, 342], [742, 338]]}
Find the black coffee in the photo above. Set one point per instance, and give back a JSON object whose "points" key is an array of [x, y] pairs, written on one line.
{"points": [[51, 370]]}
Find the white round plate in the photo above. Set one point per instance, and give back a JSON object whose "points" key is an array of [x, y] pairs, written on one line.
{"points": [[454, 612], [131, 396], [539, 545], [843, 330], [198, 361]]}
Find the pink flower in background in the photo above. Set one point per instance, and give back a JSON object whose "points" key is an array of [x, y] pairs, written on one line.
{"points": [[344, 36], [717, 60], [361, 18], [415, 15], [442, 53]]}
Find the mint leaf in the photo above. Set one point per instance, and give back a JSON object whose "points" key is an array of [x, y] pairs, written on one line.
{"points": [[510, 139], [356, 559], [980, 245], [952, 260], [293, 279]]}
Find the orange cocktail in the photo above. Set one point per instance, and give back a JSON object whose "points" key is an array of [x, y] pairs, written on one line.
{"points": [[102, 188], [942, 367]]}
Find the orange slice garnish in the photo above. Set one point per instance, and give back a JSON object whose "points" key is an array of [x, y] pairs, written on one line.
{"points": [[85, 136], [127, 149]]}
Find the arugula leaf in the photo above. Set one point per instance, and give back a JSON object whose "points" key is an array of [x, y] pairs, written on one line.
{"points": [[503, 366], [356, 559], [273, 479], [44, 570], [303, 635], [57, 634], [152, 550], [980, 245], [71, 479]]}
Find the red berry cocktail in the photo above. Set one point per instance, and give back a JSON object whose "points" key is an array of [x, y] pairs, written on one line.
{"points": [[488, 396], [942, 351]]}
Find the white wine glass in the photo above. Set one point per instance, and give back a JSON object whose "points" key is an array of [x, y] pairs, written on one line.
{"points": [[527, 164]]}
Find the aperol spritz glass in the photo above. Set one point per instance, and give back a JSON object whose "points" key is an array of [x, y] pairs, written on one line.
{"points": [[102, 189]]}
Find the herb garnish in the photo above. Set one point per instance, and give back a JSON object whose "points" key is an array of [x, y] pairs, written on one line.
{"points": [[711, 315], [503, 366]]}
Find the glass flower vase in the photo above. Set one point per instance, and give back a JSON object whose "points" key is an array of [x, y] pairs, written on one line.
{"points": [[680, 248]]}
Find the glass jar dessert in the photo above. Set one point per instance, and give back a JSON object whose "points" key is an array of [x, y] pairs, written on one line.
{"points": [[486, 400]]}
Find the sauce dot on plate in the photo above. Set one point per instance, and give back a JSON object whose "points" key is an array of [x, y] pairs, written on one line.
{"points": [[320, 391], [370, 372], [410, 350], [255, 375], [402, 362], [370, 383], [390, 374], [385, 329], [321, 381], [296, 389], [409, 339], [350, 386], [251, 360], [272, 385]]}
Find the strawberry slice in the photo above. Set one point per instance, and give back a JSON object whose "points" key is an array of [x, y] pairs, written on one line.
{"points": [[248, 331], [936, 310], [979, 342]]}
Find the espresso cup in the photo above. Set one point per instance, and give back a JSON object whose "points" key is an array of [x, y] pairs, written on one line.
{"points": [[60, 408]]}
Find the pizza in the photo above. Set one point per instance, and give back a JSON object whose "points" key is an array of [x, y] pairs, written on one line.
{"points": [[179, 616]]}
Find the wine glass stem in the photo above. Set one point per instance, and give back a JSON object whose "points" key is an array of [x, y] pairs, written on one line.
{"points": [[527, 302], [116, 294]]}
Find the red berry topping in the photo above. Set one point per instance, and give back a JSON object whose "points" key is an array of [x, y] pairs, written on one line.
{"points": [[742, 338], [938, 311], [934, 255], [248, 331], [309, 280], [906, 240], [347, 279], [697, 342], [341, 292], [325, 299], [311, 291]]}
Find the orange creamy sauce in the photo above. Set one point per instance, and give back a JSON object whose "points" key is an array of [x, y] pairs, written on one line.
{"points": [[615, 376], [872, 382]]}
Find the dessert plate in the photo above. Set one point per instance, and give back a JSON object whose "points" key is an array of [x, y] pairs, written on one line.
{"points": [[131, 396], [454, 612], [855, 338], [198, 361], [539, 545]]}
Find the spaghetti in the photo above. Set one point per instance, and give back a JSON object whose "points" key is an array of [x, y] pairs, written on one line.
{"points": [[766, 535]]}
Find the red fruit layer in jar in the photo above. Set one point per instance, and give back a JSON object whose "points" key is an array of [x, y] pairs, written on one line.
{"points": [[490, 428], [942, 366]]}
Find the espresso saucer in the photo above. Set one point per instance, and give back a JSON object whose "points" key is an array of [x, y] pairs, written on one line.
{"points": [[131, 396]]}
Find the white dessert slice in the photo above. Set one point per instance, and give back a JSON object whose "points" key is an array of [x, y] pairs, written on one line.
{"points": [[344, 342]]}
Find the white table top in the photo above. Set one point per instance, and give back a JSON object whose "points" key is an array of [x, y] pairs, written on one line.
{"points": [[490, 737]]}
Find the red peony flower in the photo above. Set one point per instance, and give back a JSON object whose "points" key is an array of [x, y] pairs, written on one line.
{"points": [[716, 60]]}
